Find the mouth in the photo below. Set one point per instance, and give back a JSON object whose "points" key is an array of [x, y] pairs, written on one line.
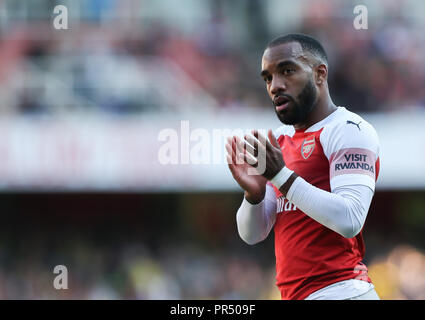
{"points": [[281, 103]]}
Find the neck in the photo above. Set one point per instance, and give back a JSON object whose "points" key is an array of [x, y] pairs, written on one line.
{"points": [[324, 107]]}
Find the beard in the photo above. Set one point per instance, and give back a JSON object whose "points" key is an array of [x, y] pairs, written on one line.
{"points": [[301, 107]]}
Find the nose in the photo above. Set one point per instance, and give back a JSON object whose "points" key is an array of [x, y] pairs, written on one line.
{"points": [[277, 84]]}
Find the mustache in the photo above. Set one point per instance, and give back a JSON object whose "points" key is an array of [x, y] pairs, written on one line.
{"points": [[283, 95]]}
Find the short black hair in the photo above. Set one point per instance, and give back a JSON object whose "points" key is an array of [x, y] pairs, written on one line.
{"points": [[307, 43]]}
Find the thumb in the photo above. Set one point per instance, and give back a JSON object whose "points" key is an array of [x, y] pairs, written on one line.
{"points": [[273, 140]]}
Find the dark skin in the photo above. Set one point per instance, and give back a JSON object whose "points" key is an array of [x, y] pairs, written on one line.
{"points": [[299, 79]]}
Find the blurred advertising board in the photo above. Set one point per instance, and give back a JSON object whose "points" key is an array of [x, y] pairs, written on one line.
{"points": [[156, 153]]}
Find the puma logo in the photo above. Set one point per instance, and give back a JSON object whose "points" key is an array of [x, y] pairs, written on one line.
{"points": [[356, 124]]}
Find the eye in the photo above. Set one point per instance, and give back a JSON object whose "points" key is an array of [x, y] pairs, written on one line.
{"points": [[268, 79], [288, 71]]}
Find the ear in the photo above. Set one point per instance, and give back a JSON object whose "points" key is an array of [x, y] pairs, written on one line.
{"points": [[321, 74]]}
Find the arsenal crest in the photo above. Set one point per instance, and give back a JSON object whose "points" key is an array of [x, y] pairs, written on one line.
{"points": [[308, 146]]}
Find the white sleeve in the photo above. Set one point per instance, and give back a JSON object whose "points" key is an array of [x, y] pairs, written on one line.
{"points": [[352, 148], [343, 211], [255, 221]]}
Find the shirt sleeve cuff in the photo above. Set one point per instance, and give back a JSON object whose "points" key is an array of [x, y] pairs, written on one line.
{"points": [[293, 187], [247, 204]]}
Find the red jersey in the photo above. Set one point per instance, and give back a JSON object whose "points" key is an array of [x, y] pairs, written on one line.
{"points": [[342, 149]]}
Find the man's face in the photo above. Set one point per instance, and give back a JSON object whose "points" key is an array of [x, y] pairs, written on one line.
{"points": [[288, 73]]}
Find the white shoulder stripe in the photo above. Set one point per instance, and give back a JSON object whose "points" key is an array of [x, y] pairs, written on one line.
{"points": [[284, 130], [349, 130]]}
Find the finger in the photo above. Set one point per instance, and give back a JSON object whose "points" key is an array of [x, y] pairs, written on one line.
{"points": [[229, 160], [245, 153], [249, 159], [231, 149], [229, 140], [263, 140], [230, 163], [253, 141], [256, 141], [263, 149], [239, 145], [260, 151], [273, 140], [245, 147], [239, 151], [260, 138]]}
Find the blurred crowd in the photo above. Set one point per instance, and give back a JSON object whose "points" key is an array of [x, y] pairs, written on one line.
{"points": [[130, 271], [131, 66], [177, 246], [134, 270], [379, 69], [399, 274]]}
